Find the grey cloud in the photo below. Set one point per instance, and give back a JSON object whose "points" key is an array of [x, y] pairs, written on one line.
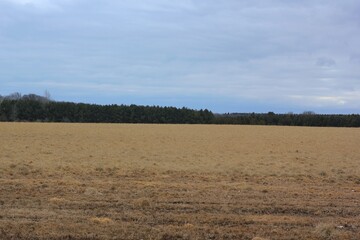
{"points": [[268, 51], [325, 62], [355, 58]]}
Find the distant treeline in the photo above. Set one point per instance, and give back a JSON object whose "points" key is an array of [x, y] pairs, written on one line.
{"points": [[290, 119], [31, 108], [37, 108]]}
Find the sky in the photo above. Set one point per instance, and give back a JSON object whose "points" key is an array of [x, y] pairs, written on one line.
{"points": [[225, 56]]}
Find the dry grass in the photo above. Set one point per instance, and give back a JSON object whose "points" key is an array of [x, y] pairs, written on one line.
{"points": [[103, 181], [325, 231], [101, 220]]}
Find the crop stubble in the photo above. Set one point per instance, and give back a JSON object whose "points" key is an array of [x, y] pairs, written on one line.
{"points": [[123, 181]]}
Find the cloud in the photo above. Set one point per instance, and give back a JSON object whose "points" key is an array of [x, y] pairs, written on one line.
{"points": [[41, 4], [355, 58], [343, 100], [325, 62], [240, 51]]}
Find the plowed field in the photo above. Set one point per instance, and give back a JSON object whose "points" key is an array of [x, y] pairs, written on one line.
{"points": [[123, 181]]}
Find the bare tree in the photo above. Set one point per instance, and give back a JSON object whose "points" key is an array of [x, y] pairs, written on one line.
{"points": [[308, 113], [14, 96], [47, 95]]}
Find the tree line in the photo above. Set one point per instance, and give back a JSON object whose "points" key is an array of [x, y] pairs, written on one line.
{"points": [[290, 119], [32, 107], [37, 108]]}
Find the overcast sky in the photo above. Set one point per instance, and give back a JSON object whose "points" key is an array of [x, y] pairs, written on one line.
{"points": [[227, 56]]}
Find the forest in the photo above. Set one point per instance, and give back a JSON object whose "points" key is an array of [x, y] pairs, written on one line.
{"points": [[34, 108], [290, 119], [16, 107]]}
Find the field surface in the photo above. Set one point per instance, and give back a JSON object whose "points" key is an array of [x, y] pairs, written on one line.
{"points": [[122, 181]]}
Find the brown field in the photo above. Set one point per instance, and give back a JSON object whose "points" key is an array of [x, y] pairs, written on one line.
{"points": [[118, 181]]}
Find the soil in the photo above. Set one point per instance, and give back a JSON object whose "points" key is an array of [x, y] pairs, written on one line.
{"points": [[127, 181]]}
